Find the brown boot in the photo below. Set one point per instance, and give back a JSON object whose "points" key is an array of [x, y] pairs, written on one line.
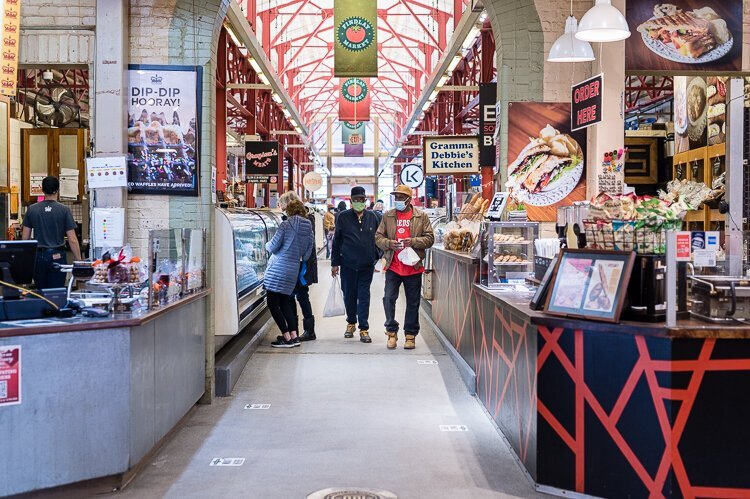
{"points": [[410, 345], [392, 340]]}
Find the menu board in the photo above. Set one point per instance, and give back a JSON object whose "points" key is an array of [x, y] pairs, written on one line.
{"points": [[163, 123], [262, 161]]}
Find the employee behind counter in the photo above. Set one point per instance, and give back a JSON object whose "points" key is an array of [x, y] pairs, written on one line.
{"points": [[50, 222]]}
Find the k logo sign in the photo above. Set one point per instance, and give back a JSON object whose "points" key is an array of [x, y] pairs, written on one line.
{"points": [[412, 176]]}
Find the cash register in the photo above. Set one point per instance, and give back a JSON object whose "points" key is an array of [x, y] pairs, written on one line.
{"points": [[17, 262]]}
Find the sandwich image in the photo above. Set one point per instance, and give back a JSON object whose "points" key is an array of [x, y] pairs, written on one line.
{"points": [[543, 163], [691, 34]]}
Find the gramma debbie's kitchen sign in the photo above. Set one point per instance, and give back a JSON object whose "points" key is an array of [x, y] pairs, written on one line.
{"points": [[451, 154]]}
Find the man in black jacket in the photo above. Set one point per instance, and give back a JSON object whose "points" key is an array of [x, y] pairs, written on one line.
{"points": [[354, 254]]}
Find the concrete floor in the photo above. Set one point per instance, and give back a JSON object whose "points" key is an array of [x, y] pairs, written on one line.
{"points": [[342, 414]]}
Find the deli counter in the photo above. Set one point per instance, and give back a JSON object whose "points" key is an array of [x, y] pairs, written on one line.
{"points": [[241, 262]]}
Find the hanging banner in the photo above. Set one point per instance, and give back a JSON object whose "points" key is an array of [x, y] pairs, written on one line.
{"points": [[164, 106], [354, 99], [547, 161], [487, 123], [586, 103], [451, 154], [11, 19], [262, 161], [354, 150], [10, 375], [355, 34], [353, 133], [684, 35]]}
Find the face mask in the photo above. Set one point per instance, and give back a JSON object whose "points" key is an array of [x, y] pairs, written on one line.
{"points": [[358, 206], [400, 205]]}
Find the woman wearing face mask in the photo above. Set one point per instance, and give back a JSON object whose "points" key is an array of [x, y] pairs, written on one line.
{"points": [[291, 245], [404, 227]]}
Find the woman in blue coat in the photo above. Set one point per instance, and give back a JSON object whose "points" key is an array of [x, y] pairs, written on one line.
{"points": [[291, 246]]}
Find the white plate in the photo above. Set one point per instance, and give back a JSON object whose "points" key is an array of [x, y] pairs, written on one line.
{"points": [[673, 55], [560, 191], [697, 128]]}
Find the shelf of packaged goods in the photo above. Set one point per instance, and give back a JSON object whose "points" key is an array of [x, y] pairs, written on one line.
{"points": [[690, 156]]}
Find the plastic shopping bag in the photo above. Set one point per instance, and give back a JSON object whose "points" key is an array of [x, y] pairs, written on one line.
{"points": [[335, 302], [408, 257]]}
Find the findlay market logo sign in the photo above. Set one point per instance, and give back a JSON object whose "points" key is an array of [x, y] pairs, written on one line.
{"points": [[354, 127], [354, 90], [355, 33]]}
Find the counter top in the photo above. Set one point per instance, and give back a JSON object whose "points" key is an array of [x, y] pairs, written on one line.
{"points": [[460, 255], [65, 325]]}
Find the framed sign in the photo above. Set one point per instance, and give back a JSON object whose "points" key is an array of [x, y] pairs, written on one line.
{"points": [[590, 284], [586, 103], [487, 123], [164, 118], [451, 154], [497, 205], [412, 175], [10, 375], [261, 160]]}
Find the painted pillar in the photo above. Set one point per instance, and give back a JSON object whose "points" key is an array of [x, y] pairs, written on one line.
{"points": [[221, 112], [111, 93]]}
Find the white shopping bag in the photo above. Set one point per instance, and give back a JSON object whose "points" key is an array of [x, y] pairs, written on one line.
{"points": [[335, 302], [408, 257]]}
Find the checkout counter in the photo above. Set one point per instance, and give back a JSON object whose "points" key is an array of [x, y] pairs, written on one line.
{"points": [[627, 409], [101, 394]]}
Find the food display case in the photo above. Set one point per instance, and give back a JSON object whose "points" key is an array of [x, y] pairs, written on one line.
{"points": [[507, 252], [241, 264]]}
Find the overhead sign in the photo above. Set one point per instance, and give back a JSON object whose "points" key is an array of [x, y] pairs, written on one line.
{"points": [[312, 181], [262, 158], [353, 133], [451, 154], [355, 97], [164, 121], [412, 175], [107, 172], [487, 123], [10, 375], [586, 102], [11, 19], [355, 35]]}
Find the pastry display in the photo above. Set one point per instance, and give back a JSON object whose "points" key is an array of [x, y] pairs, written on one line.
{"points": [[507, 239], [475, 208]]}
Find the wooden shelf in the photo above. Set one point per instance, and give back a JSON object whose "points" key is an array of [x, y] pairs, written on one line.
{"points": [[706, 156], [695, 216]]}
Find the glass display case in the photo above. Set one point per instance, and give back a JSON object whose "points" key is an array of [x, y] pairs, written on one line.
{"points": [[242, 260], [507, 252], [176, 264]]}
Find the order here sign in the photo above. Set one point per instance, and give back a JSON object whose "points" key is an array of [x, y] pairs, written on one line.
{"points": [[451, 154], [586, 103]]}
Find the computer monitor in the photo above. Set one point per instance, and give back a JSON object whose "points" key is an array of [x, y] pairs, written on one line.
{"points": [[17, 261]]}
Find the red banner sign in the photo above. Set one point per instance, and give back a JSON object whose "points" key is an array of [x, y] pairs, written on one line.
{"points": [[355, 98], [11, 19]]}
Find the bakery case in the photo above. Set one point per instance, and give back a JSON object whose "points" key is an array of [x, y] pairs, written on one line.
{"points": [[507, 252], [241, 265]]}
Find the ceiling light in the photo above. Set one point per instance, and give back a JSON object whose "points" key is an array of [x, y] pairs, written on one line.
{"points": [[262, 77], [396, 152], [471, 37], [455, 62], [234, 37], [277, 99], [434, 95], [286, 113], [256, 66], [443, 80], [603, 23], [426, 106], [483, 17], [568, 48]]}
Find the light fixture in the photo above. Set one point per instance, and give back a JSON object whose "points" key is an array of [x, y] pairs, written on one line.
{"points": [[286, 113], [426, 106], [568, 48], [603, 23], [443, 80], [263, 78], [470, 38], [255, 66], [276, 98], [454, 62], [434, 95]]}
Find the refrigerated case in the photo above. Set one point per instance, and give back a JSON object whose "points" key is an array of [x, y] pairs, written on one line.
{"points": [[241, 262]]}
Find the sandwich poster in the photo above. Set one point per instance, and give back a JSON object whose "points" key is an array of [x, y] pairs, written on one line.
{"points": [[547, 161], [163, 121], [355, 38], [684, 35]]}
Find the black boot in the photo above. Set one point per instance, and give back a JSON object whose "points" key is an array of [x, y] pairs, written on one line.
{"points": [[308, 324]]}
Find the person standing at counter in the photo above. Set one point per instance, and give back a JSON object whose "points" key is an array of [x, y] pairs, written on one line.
{"points": [[50, 223], [290, 246], [329, 224], [310, 276], [355, 253], [401, 228]]}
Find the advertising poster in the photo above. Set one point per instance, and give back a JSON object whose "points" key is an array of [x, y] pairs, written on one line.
{"points": [[354, 99], [716, 112], [10, 375], [163, 122], [487, 123], [451, 154], [10, 42], [355, 34], [353, 133], [684, 35], [691, 112], [548, 167], [262, 161]]}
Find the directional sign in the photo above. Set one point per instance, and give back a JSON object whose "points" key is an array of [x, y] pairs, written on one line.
{"points": [[412, 176]]}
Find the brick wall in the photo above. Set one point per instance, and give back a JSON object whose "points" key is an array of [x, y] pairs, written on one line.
{"points": [[57, 31]]}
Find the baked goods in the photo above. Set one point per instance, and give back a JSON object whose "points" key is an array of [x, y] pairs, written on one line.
{"points": [[475, 208], [507, 239], [509, 259]]}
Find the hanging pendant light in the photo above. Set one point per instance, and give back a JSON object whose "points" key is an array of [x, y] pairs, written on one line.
{"points": [[603, 23], [568, 48]]}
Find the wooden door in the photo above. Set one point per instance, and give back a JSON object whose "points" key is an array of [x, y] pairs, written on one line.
{"points": [[47, 151]]}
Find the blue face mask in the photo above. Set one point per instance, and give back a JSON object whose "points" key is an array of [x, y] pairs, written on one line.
{"points": [[400, 205]]}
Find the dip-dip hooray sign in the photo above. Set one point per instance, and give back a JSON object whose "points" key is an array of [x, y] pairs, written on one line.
{"points": [[451, 154]]}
